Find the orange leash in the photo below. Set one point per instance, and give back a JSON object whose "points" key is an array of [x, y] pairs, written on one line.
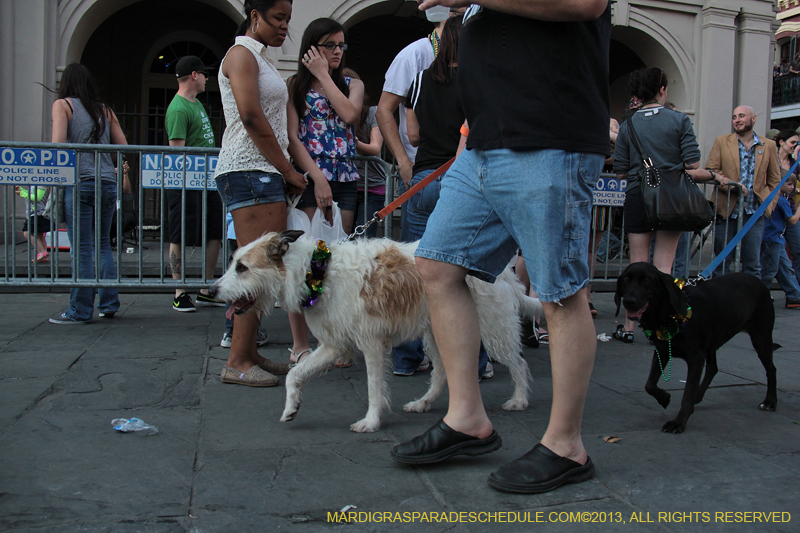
{"points": [[380, 215]]}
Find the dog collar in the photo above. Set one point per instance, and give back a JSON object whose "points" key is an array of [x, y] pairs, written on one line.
{"points": [[315, 276]]}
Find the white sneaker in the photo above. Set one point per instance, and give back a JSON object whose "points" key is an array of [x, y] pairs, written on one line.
{"points": [[226, 340], [489, 372], [261, 338]]}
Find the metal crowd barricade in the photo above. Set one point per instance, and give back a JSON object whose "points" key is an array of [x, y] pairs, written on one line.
{"points": [[58, 166], [162, 168], [695, 250]]}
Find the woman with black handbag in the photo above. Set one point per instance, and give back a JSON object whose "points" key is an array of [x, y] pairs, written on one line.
{"points": [[664, 140]]}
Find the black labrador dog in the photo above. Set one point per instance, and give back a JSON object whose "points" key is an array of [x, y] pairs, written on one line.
{"points": [[693, 323]]}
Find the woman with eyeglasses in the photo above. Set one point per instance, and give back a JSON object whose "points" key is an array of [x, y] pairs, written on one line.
{"points": [[324, 107]]}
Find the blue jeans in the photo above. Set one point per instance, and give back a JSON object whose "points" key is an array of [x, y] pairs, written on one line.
{"points": [[81, 299], [497, 200], [374, 203], [750, 245], [792, 235], [409, 355], [775, 264]]}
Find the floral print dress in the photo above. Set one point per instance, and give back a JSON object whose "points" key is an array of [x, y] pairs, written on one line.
{"points": [[330, 141]]}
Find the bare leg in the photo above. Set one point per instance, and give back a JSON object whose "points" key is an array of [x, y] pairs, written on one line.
{"points": [[455, 326], [251, 223], [572, 350], [347, 220], [41, 245], [664, 252], [212, 254]]}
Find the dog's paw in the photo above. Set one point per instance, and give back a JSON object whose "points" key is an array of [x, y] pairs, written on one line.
{"points": [[288, 415], [363, 426], [674, 426], [768, 405], [663, 399], [419, 406], [515, 405]]}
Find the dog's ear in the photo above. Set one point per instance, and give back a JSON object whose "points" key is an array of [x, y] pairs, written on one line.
{"points": [[618, 294], [620, 288], [677, 298], [277, 248], [291, 235]]}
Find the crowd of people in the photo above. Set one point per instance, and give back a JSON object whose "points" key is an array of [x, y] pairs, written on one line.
{"points": [[517, 188]]}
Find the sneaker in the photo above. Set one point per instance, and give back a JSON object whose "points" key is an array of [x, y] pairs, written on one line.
{"points": [[424, 365], [62, 318], [489, 372], [106, 314], [791, 303], [207, 300], [226, 340], [261, 338], [183, 303]]}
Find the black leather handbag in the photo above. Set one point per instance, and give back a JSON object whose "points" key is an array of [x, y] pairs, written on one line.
{"points": [[672, 200]]}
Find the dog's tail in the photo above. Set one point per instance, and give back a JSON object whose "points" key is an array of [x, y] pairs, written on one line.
{"points": [[530, 307]]}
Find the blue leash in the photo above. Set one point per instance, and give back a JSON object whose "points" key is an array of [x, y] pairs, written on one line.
{"points": [[753, 219]]}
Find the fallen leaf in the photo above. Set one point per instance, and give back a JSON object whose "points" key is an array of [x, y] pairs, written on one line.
{"points": [[612, 440]]}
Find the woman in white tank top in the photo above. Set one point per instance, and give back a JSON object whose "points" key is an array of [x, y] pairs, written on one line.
{"points": [[254, 163]]}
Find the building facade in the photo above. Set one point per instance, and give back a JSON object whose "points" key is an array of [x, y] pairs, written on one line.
{"points": [[716, 53]]}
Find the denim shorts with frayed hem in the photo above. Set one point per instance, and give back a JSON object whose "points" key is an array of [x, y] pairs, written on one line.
{"points": [[493, 201], [250, 187]]}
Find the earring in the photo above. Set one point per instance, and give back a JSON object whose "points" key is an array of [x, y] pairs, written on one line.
{"points": [[255, 27]]}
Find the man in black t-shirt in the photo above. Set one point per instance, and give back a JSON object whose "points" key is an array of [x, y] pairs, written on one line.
{"points": [[523, 182]]}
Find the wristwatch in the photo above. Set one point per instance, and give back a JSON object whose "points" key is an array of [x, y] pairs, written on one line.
{"points": [[713, 174]]}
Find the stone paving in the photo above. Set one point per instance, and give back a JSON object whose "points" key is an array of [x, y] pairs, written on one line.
{"points": [[221, 461]]}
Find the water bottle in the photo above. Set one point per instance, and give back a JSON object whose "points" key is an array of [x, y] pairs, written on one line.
{"points": [[134, 425]]}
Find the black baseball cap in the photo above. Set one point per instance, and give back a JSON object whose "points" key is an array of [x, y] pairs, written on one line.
{"points": [[188, 64]]}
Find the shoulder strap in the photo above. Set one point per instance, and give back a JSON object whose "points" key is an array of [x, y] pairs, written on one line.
{"points": [[637, 143], [69, 104]]}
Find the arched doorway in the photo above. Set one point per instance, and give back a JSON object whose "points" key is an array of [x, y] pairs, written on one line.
{"points": [[122, 54]]}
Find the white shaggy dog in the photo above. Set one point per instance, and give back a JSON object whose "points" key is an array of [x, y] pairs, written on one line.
{"points": [[372, 299]]}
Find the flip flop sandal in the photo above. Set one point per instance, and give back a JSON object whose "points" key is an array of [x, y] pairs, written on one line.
{"points": [[593, 310], [297, 356], [544, 338], [624, 336], [342, 363]]}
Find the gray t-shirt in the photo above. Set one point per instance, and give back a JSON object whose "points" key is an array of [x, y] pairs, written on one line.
{"points": [[667, 136]]}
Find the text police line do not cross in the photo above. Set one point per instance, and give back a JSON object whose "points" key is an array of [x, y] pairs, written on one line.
{"points": [[33, 166], [170, 169]]}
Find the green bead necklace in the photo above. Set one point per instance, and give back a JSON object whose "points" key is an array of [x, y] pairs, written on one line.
{"points": [[669, 363]]}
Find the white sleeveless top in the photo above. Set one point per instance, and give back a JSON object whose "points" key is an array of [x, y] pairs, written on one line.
{"points": [[238, 152]]}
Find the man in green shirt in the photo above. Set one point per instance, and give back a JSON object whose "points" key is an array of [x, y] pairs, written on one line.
{"points": [[187, 124]]}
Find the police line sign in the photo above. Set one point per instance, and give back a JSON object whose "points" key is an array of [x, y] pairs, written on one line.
{"points": [[169, 168], [610, 191], [33, 166]]}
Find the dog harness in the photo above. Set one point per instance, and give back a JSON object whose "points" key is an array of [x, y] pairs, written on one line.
{"points": [[669, 332], [315, 276]]}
